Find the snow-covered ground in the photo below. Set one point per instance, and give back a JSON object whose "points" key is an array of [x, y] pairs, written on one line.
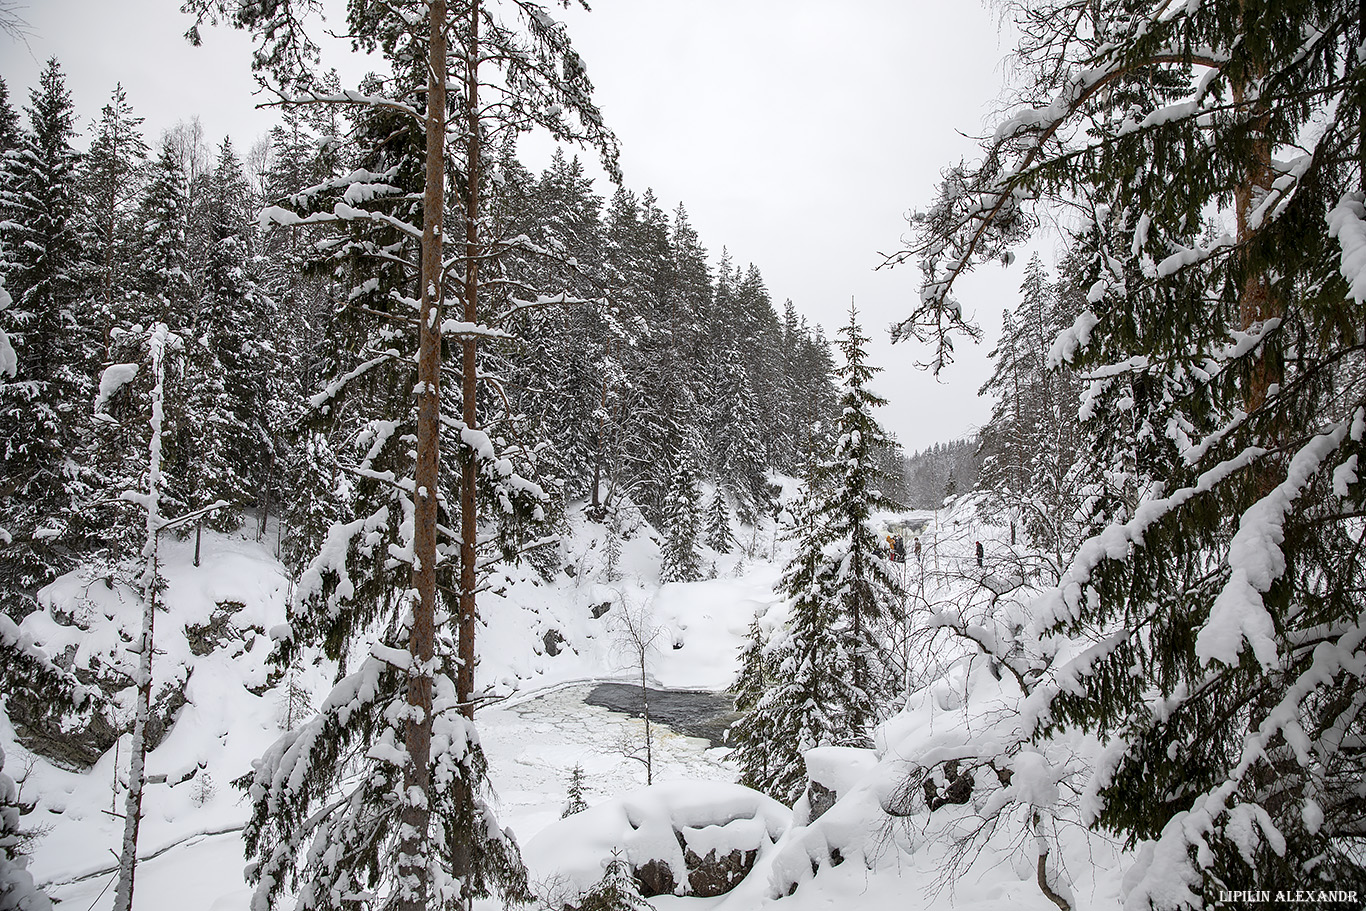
{"points": [[533, 736]]}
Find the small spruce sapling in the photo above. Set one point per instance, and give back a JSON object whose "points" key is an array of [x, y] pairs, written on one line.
{"points": [[616, 891], [296, 701], [203, 789], [573, 799]]}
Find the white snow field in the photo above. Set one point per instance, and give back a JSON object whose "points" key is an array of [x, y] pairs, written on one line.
{"points": [[855, 856]]}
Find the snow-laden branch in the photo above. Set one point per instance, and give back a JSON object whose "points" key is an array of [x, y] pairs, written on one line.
{"points": [[320, 401], [463, 329], [1256, 561], [344, 97], [286, 218], [1063, 603], [1347, 222]]}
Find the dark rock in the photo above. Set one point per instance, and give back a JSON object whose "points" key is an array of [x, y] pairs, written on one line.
{"points": [[655, 878], [78, 746], [204, 638], [706, 876], [597, 610], [820, 799], [553, 640], [958, 790], [164, 709], [711, 875]]}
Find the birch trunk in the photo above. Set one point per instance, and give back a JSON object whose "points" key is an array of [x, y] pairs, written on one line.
{"points": [[132, 812]]}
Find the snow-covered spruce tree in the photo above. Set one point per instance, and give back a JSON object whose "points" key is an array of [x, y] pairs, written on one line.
{"points": [[412, 831], [848, 491], [111, 184], [833, 674], [25, 669], [230, 360], [163, 279], [556, 375], [632, 436], [616, 891], [758, 669], [1029, 447], [738, 449], [44, 410], [9, 121], [682, 521], [811, 699], [720, 538], [1214, 628], [573, 798], [160, 294]]}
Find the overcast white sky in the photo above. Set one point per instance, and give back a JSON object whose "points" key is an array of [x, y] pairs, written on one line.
{"points": [[797, 133]]}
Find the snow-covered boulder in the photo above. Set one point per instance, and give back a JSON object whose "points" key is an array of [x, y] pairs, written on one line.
{"points": [[831, 772], [681, 837]]}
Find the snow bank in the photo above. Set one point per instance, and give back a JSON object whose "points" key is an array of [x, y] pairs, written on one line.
{"points": [[657, 824]]}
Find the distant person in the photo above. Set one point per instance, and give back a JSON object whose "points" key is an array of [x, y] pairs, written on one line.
{"points": [[917, 547], [980, 553], [891, 549], [898, 549]]}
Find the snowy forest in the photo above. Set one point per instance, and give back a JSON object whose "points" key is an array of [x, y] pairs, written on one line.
{"points": [[389, 525]]}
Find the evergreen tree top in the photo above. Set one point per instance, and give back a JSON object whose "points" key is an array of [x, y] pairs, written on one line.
{"points": [[856, 371], [51, 115]]}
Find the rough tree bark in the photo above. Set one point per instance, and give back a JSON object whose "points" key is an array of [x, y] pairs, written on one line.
{"points": [[1257, 301], [415, 848], [461, 843]]}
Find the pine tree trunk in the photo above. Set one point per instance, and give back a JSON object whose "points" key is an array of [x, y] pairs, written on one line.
{"points": [[1257, 301], [461, 842], [1361, 101], [469, 376], [415, 848]]}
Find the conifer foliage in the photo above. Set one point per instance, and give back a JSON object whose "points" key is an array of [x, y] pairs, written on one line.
{"points": [[616, 891], [415, 830], [682, 526], [1213, 627], [811, 696], [42, 410], [851, 490], [1029, 449], [720, 538], [16, 883], [829, 670]]}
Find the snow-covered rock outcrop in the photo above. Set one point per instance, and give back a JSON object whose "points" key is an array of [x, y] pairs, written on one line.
{"points": [[695, 838]]}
